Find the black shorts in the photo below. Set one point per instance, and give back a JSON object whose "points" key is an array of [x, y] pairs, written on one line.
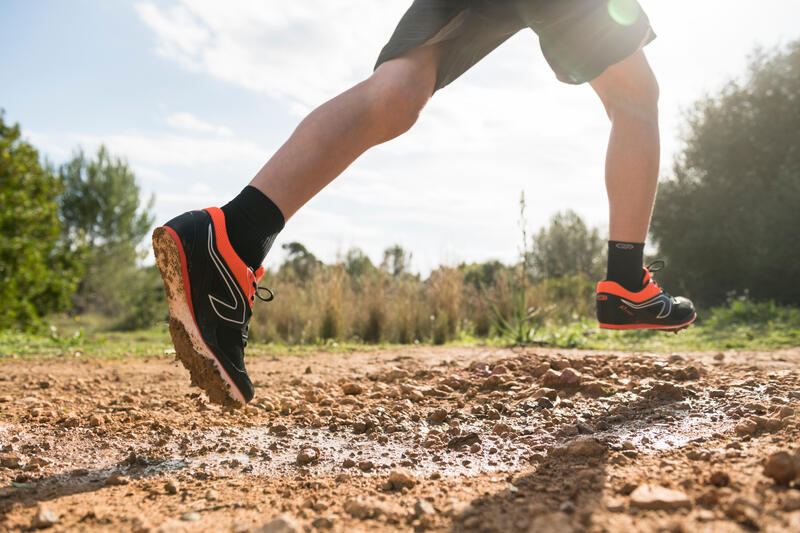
{"points": [[579, 38]]}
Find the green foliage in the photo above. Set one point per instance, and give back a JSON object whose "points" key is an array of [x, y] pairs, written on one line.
{"points": [[728, 219], [102, 201], [38, 270], [396, 260], [299, 263], [568, 246]]}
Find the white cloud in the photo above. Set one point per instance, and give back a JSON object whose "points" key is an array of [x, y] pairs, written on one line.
{"points": [[189, 122]]}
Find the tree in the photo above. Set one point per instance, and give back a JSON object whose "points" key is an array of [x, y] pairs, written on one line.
{"points": [[357, 264], [396, 260], [728, 219], [300, 262], [102, 202], [568, 246], [38, 270]]}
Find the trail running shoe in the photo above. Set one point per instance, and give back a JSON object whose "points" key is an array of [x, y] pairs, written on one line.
{"points": [[211, 294], [650, 308]]}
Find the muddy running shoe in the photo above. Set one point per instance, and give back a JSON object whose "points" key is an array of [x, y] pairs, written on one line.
{"points": [[211, 294], [650, 308]]}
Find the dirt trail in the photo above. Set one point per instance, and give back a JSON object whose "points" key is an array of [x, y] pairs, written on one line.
{"points": [[419, 439]]}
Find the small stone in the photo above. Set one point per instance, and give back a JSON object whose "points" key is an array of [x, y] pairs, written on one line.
{"points": [[567, 507], [551, 379], [322, 523], [212, 495], [719, 479], [190, 517], [615, 505], [401, 479], [544, 402], [280, 524], [785, 412], [747, 427], [352, 389], [307, 456], [365, 466], [44, 518], [6, 399], [656, 497], [585, 447], [465, 440], [781, 467], [438, 416], [791, 503], [423, 508], [171, 486], [95, 421], [116, 478], [10, 460], [570, 377], [665, 392]]}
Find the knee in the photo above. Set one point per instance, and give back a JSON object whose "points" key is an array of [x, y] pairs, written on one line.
{"points": [[635, 99], [396, 100]]}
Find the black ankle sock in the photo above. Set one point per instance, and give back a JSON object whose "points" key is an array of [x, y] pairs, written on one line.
{"points": [[253, 221], [625, 261]]}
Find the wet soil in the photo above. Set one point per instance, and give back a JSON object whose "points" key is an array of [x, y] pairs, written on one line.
{"points": [[419, 439]]}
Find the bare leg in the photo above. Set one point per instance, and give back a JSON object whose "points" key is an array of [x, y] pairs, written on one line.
{"points": [[629, 92], [340, 130]]}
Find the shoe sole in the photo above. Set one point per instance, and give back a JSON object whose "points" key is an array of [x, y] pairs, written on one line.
{"points": [[674, 328], [204, 368]]}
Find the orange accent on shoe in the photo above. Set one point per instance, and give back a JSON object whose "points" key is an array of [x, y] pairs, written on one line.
{"points": [[244, 275], [648, 326], [650, 289]]}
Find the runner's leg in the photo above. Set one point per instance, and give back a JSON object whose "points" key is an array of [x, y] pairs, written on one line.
{"points": [[335, 134], [629, 92]]}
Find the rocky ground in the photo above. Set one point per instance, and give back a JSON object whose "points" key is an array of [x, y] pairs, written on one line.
{"points": [[419, 439]]}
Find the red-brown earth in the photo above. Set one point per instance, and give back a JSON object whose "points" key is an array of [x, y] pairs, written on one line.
{"points": [[417, 439]]}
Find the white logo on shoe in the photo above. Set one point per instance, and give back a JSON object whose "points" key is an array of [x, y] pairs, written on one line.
{"points": [[218, 305], [662, 299]]}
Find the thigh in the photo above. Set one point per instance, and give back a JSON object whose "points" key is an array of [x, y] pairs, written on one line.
{"points": [[582, 38], [463, 32]]}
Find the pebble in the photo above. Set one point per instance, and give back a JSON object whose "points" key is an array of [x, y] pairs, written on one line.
{"points": [[438, 416], [352, 389], [10, 460], [322, 523], [719, 479], [6, 399], [307, 455], [190, 517], [465, 440], [171, 486], [212, 495], [785, 412], [423, 508], [585, 447], [280, 524], [658, 498], [747, 427], [401, 479], [570, 377], [116, 478], [366, 466], [44, 518], [781, 467]]}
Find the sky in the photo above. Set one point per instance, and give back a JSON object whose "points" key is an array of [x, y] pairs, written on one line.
{"points": [[198, 94]]}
